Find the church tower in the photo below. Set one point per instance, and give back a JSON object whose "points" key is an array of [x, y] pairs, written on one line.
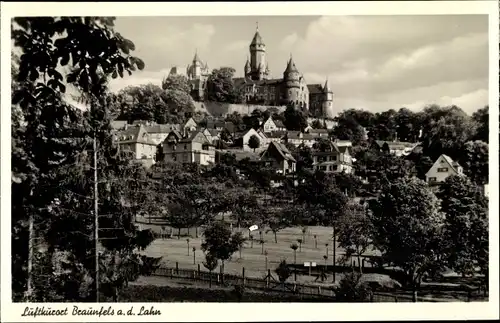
{"points": [[327, 104], [259, 69], [291, 79]]}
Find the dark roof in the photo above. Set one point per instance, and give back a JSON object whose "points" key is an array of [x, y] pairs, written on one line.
{"points": [[275, 134], [196, 136], [315, 88], [279, 123], [134, 134], [257, 39], [282, 150], [163, 128], [290, 67]]}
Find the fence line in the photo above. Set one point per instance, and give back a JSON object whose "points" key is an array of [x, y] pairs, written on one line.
{"points": [[268, 283]]}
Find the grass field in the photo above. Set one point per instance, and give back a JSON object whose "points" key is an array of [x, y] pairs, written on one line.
{"points": [[176, 250]]}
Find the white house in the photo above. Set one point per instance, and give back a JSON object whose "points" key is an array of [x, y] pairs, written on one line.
{"points": [[441, 169], [263, 140], [273, 125]]}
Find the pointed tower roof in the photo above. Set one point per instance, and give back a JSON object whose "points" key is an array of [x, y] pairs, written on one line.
{"points": [[291, 66], [257, 39], [196, 58], [326, 88]]}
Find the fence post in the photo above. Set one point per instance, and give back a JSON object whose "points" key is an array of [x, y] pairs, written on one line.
{"points": [[177, 268], [268, 278], [199, 270], [243, 275]]}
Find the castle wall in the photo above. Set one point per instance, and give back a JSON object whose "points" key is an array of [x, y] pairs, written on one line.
{"points": [[220, 109]]}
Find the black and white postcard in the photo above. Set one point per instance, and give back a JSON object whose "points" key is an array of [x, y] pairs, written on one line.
{"points": [[320, 160]]}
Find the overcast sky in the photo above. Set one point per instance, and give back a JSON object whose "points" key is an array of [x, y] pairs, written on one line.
{"points": [[372, 62]]}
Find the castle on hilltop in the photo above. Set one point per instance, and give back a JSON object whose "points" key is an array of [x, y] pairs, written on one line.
{"points": [[259, 88]]}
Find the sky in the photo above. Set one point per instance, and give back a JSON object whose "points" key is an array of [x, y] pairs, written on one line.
{"points": [[374, 63]]}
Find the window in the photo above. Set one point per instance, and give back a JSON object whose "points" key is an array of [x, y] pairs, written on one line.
{"points": [[442, 170], [185, 147], [322, 167], [185, 158], [432, 179]]}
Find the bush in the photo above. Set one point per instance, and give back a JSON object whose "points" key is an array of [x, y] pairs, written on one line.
{"points": [[349, 289]]}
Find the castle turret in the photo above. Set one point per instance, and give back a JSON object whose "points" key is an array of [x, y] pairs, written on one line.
{"points": [[257, 56], [327, 104], [248, 69], [291, 77]]}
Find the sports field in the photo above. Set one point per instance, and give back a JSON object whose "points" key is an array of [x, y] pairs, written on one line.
{"points": [[176, 250]]}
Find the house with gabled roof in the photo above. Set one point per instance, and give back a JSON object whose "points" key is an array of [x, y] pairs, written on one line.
{"points": [[443, 167], [270, 125], [397, 148], [194, 148], [159, 132], [332, 158], [298, 138], [136, 139], [279, 157]]}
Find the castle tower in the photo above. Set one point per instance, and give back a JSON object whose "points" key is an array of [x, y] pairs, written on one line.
{"points": [[258, 61], [327, 104], [291, 78], [248, 69], [197, 69]]}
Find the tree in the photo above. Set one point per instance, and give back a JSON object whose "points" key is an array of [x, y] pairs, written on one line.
{"points": [[384, 126], [219, 242], [466, 225], [475, 161], [221, 88], [245, 205], [283, 272], [355, 232], [304, 158], [210, 263], [350, 289], [348, 128], [295, 119], [481, 117], [276, 223], [254, 142], [50, 157], [177, 218], [316, 124], [408, 229], [445, 130]]}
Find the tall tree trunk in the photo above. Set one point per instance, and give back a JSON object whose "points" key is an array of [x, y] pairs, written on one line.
{"points": [[334, 253], [359, 264], [179, 234], [29, 289], [196, 231], [275, 237], [210, 279]]}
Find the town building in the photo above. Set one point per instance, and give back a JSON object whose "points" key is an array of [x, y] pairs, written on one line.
{"points": [[195, 148], [136, 139], [279, 157], [332, 158], [273, 125], [397, 148], [442, 168], [298, 138]]}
